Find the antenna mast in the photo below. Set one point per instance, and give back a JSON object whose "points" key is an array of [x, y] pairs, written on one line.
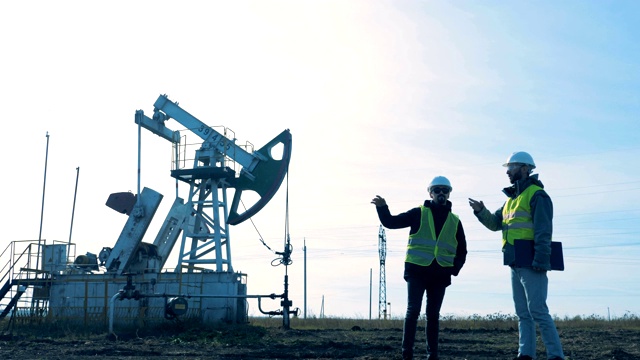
{"points": [[382, 294]]}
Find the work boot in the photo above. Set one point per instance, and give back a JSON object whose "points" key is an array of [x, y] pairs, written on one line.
{"points": [[432, 351], [523, 357]]}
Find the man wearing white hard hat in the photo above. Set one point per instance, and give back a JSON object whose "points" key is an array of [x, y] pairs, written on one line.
{"points": [[526, 216], [437, 249]]}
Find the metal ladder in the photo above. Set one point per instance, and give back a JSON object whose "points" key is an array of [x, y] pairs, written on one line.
{"points": [[19, 279]]}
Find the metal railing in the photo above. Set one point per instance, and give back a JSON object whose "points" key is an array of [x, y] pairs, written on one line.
{"points": [[24, 277]]}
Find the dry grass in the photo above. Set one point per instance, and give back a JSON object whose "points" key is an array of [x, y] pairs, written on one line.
{"points": [[496, 321]]}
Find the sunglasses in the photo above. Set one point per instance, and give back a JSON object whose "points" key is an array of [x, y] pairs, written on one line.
{"points": [[440, 190]]}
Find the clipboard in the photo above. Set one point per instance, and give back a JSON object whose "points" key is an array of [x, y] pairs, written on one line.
{"points": [[524, 254]]}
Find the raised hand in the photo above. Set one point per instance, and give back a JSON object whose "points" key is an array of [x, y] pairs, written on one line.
{"points": [[378, 201], [476, 205]]}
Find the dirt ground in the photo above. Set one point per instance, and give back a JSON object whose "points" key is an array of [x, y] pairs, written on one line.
{"points": [[255, 342]]}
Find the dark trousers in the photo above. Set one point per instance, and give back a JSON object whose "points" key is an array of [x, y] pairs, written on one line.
{"points": [[416, 287]]}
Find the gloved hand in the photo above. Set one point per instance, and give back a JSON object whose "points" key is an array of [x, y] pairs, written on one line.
{"points": [[477, 206], [379, 201]]}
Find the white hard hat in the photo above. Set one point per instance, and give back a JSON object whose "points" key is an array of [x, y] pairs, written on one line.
{"points": [[439, 181], [520, 157]]}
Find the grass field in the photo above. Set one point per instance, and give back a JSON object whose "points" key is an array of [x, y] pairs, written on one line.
{"points": [[472, 338]]}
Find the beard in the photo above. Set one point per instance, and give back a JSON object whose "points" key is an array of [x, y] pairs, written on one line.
{"points": [[440, 199], [515, 177]]}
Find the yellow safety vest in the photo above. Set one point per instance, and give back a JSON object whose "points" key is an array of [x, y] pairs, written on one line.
{"points": [[423, 246], [517, 222]]}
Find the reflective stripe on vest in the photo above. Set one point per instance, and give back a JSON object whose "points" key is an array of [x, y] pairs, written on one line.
{"points": [[517, 222], [423, 246]]}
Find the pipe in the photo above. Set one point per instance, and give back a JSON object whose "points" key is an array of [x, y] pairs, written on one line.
{"points": [[121, 295], [271, 296], [139, 157], [112, 304], [129, 292]]}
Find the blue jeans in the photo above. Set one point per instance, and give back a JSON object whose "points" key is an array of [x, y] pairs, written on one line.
{"points": [[530, 298], [417, 285]]}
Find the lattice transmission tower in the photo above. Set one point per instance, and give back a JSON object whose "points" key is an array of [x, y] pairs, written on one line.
{"points": [[382, 288]]}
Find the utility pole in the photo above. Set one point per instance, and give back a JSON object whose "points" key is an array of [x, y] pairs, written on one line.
{"points": [[304, 250], [382, 294], [370, 290], [44, 187], [73, 210]]}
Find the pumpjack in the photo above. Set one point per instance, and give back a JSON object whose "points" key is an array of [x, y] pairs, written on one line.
{"points": [[204, 284], [205, 218]]}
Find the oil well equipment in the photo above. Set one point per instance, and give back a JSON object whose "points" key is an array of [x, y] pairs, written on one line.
{"points": [[127, 284]]}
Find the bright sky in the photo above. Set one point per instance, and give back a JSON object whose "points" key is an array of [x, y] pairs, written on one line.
{"points": [[380, 97]]}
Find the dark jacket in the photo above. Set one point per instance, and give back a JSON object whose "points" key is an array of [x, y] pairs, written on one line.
{"points": [[412, 219], [542, 215]]}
